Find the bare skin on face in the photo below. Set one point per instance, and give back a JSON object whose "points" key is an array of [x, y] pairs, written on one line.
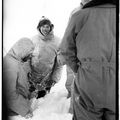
{"points": [[45, 29]]}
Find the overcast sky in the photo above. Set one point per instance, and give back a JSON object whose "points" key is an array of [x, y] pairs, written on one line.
{"points": [[22, 16]]}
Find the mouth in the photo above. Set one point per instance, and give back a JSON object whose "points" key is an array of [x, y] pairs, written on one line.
{"points": [[46, 32]]}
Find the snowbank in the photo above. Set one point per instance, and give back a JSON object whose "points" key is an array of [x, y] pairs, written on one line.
{"points": [[51, 107]]}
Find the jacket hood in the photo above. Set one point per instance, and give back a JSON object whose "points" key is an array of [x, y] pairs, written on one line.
{"points": [[48, 37], [24, 47], [44, 21]]}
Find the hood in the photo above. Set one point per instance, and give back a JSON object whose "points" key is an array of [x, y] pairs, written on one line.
{"points": [[24, 47], [44, 21], [50, 36]]}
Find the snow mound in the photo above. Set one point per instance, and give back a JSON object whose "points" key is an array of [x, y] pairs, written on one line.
{"points": [[51, 107]]}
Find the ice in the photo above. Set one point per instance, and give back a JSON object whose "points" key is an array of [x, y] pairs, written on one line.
{"points": [[54, 106]]}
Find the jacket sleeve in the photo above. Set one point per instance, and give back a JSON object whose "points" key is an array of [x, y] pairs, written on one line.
{"points": [[68, 45]]}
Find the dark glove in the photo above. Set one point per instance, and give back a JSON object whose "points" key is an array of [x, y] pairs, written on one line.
{"points": [[41, 93], [32, 88]]}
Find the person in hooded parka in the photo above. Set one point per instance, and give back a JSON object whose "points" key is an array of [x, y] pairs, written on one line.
{"points": [[89, 48], [15, 80], [46, 70]]}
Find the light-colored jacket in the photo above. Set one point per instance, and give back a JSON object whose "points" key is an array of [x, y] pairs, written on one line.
{"points": [[15, 81], [44, 55]]}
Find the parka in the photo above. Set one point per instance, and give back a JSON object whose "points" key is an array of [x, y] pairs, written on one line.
{"points": [[44, 62], [15, 81], [89, 48]]}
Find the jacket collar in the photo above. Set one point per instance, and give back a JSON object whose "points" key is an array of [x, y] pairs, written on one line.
{"points": [[106, 6], [100, 3], [47, 37]]}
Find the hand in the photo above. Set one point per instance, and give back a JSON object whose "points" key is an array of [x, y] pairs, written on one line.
{"points": [[61, 60], [75, 74]]}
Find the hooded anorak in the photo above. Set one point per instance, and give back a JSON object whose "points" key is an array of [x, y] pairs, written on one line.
{"points": [[15, 81], [44, 62]]}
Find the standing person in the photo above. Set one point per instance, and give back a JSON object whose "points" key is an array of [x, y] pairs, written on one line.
{"points": [[45, 69], [15, 81], [70, 73], [89, 48]]}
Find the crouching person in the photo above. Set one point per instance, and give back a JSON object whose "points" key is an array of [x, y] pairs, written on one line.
{"points": [[15, 80], [45, 70]]}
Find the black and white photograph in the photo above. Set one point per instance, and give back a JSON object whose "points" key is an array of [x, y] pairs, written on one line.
{"points": [[59, 60]]}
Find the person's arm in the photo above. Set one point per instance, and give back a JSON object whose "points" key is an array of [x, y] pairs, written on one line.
{"points": [[57, 71], [68, 46]]}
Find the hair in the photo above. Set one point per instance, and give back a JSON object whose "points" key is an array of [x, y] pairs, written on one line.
{"points": [[44, 22]]}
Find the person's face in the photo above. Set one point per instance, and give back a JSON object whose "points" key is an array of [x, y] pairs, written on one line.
{"points": [[45, 29]]}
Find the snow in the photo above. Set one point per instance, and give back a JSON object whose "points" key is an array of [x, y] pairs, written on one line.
{"points": [[54, 106]]}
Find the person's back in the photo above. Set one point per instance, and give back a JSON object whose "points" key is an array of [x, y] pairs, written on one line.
{"points": [[96, 51], [97, 37], [89, 47]]}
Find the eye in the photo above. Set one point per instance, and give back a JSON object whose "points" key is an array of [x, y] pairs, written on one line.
{"points": [[46, 26]]}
